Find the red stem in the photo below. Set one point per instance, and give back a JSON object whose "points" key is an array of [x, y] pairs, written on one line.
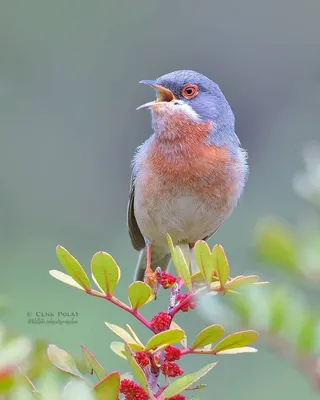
{"points": [[184, 352], [124, 307]]}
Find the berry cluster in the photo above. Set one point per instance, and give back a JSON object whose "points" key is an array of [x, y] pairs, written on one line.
{"points": [[172, 353], [190, 305], [161, 322], [132, 391], [165, 280], [142, 359], [166, 363], [170, 369]]}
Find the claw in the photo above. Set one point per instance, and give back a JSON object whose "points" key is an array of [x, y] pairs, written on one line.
{"points": [[150, 279]]}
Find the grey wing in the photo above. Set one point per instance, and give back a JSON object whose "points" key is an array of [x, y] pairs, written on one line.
{"points": [[211, 234], [137, 239]]}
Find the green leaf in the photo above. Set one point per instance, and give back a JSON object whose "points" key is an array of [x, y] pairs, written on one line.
{"points": [[133, 334], [186, 381], [207, 336], [180, 263], [202, 255], [124, 336], [172, 249], [93, 364], [135, 368], [62, 277], [165, 338], [184, 341], [63, 361], [139, 293], [278, 309], [108, 388], [239, 350], [308, 333], [235, 340], [73, 267], [105, 272], [182, 268], [275, 242], [241, 281], [220, 263], [118, 349]]}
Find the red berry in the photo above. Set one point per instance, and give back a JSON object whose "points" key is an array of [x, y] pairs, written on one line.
{"points": [[177, 397], [161, 322], [172, 353], [171, 369], [142, 359], [132, 391], [191, 304], [165, 280]]}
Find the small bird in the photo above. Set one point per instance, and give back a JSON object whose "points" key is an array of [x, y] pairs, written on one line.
{"points": [[188, 176]]}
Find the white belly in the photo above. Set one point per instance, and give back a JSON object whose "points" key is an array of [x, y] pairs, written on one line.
{"points": [[183, 217]]}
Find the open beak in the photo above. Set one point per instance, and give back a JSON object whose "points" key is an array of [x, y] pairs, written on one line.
{"points": [[164, 95]]}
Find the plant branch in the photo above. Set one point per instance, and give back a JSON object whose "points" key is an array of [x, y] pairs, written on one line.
{"points": [[124, 307], [182, 303]]}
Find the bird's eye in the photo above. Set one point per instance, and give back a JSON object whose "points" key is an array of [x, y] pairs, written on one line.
{"points": [[190, 91]]}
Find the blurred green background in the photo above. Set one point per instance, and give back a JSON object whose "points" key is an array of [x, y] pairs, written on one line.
{"points": [[69, 73]]}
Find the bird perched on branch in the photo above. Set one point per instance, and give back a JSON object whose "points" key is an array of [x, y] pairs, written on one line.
{"points": [[188, 176]]}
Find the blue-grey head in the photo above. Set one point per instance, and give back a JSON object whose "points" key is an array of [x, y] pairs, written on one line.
{"points": [[191, 95]]}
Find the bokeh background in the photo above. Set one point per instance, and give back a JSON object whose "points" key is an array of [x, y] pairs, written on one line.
{"points": [[69, 73]]}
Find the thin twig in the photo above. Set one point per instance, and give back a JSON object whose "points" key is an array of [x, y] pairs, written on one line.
{"points": [[124, 307]]}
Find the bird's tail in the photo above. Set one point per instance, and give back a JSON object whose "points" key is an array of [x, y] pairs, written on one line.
{"points": [[159, 259]]}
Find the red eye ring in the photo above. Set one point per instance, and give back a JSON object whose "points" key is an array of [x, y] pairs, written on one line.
{"points": [[190, 91]]}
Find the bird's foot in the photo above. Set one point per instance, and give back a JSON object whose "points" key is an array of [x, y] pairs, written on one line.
{"points": [[150, 278]]}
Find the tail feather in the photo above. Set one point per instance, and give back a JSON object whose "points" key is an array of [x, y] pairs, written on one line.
{"points": [[159, 259]]}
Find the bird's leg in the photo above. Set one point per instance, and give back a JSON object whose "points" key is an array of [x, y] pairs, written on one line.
{"points": [[150, 276]]}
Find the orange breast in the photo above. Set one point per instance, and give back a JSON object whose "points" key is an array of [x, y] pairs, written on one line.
{"points": [[185, 161]]}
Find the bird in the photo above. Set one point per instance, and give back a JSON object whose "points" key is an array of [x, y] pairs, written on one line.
{"points": [[188, 176]]}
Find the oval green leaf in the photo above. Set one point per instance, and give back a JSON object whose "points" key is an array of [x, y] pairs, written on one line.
{"points": [[118, 349], [186, 381], [73, 267], [108, 388], [63, 360], [202, 255], [105, 272], [134, 335], [171, 248], [135, 368], [124, 336], [165, 338], [220, 263], [241, 281], [235, 340], [182, 268], [239, 350], [139, 293], [62, 277], [207, 336], [184, 341], [93, 364]]}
